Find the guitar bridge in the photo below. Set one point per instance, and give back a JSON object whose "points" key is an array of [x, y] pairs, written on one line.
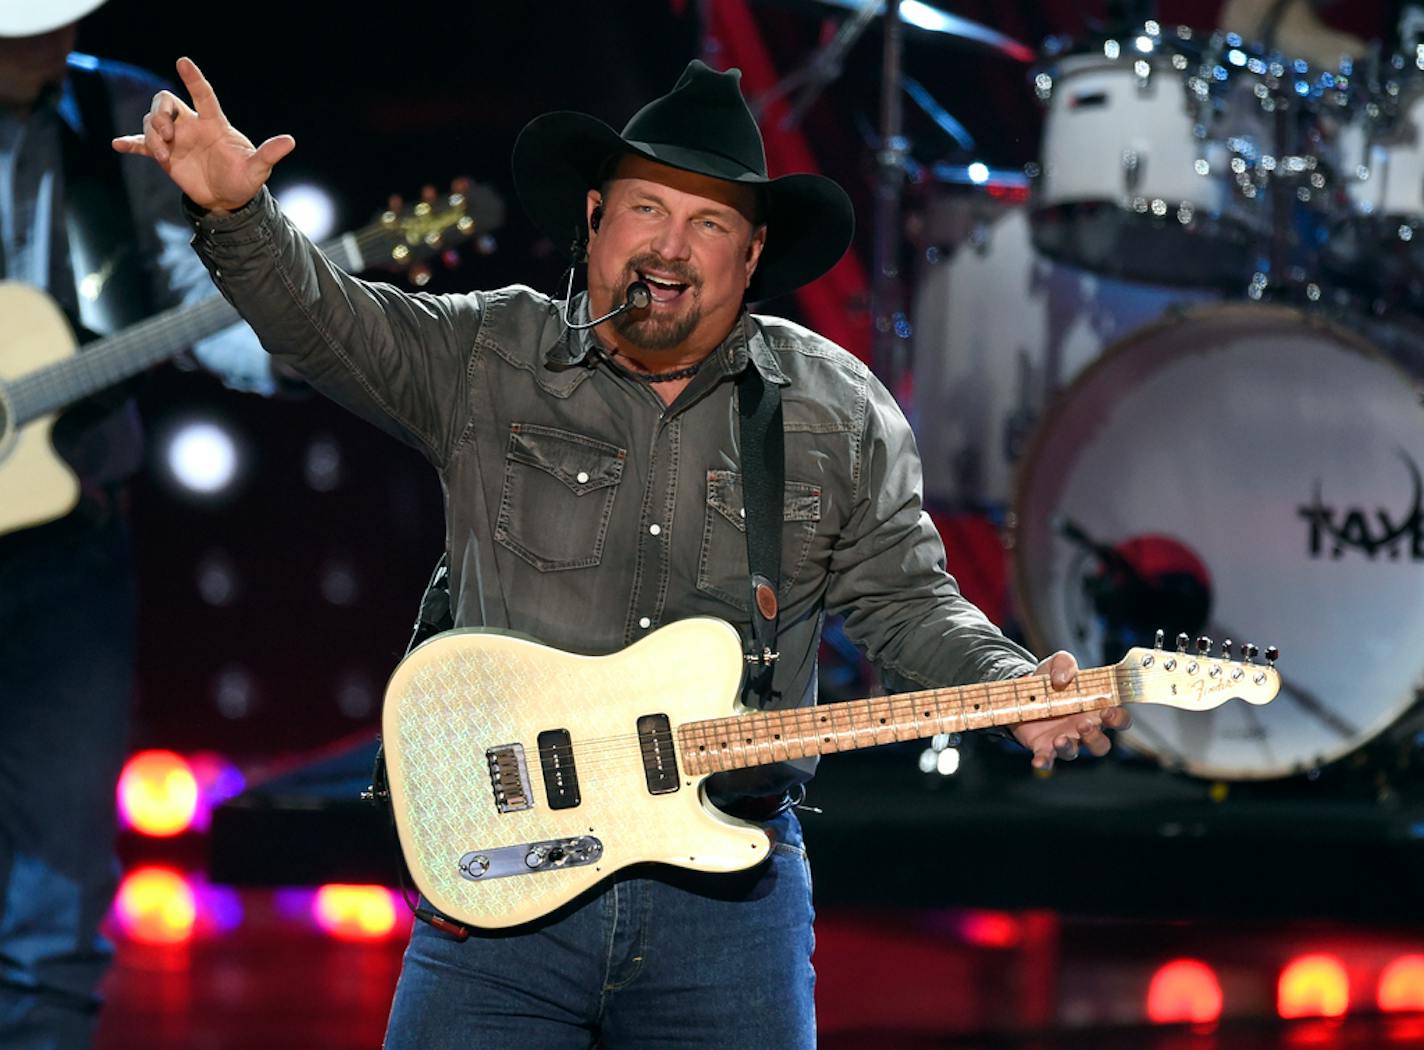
{"points": [[509, 776]]}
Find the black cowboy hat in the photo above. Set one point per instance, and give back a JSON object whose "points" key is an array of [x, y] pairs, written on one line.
{"points": [[703, 125]]}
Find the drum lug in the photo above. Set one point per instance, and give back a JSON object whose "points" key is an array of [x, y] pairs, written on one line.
{"points": [[1132, 168]]}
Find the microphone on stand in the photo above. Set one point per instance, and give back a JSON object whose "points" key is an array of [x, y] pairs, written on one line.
{"points": [[637, 297]]}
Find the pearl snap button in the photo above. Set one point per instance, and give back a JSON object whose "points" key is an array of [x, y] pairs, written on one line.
{"points": [[645, 622], [582, 477], [655, 529]]}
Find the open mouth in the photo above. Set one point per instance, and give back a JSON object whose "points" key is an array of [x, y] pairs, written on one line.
{"points": [[663, 289]]}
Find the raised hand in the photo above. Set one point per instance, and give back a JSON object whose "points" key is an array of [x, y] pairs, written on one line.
{"points": [[1063, 737], [210, 160]]}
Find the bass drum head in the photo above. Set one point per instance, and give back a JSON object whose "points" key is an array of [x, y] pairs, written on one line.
{"points": [[1244, 471]]}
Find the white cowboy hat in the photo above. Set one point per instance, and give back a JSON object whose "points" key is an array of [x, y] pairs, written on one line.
{"points": [[27, 18]]}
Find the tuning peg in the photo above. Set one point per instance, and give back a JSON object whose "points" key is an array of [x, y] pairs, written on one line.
{"points": [[420, 275], [1203, 645], [1226, 649], [1157, 642], [1248, 652], [1272, 655], [1182, 641]]}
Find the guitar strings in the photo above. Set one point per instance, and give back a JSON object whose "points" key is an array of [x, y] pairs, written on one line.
{"points": [[113, 359], [590, 747], [595, 754]]}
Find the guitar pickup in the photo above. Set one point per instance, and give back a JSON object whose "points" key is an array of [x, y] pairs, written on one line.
{"points": [[509, 776], [659, 758], [556, 758]]}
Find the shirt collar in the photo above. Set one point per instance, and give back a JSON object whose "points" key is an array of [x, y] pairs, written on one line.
{"points": [[744, 343], [64, 100]]}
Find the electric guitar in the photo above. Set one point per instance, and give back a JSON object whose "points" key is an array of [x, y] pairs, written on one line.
{"points": [[41, 373], [520, 776]]}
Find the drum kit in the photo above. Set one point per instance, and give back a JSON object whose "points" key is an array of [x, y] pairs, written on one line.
{"points": [[1186, 373]]}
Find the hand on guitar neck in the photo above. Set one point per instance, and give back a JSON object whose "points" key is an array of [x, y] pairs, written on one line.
{"points": [[1064, 736], [210, 160]]}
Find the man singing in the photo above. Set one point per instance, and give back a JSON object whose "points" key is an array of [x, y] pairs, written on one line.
{"points": [[593, 481]]}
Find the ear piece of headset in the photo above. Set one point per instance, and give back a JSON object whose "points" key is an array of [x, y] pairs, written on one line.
{"points": [[596, 218]]}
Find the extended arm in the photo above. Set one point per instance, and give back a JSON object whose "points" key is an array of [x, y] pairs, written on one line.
{"points": [[398, 360]]}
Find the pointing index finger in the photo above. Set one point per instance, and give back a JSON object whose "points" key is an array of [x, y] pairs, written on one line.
{"points": [[205, 99]]}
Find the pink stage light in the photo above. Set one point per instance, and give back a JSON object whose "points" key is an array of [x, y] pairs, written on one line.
{"points": [[218, 780], [158, 794], [156, 906], [990, 929], [1313, 986], [1401, 985], [1184, 991]]}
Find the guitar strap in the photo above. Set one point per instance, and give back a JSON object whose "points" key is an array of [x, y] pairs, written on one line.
{"points": [[103, 237], [763, 441]]}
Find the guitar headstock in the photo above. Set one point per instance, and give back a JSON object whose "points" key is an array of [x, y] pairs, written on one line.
{"points": [[1197, 681], [406, 236]]}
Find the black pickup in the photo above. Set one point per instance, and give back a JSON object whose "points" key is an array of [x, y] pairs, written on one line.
{"points": [[556, 758], [659, 759]]}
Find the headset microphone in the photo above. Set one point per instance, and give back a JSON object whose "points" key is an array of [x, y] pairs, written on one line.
{"points": [[637, 297]]}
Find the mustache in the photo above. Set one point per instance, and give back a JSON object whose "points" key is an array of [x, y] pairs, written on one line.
{"points": [[680, 272]]}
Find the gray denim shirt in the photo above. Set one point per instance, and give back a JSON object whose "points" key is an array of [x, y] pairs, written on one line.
{"points": [[582, 511]]}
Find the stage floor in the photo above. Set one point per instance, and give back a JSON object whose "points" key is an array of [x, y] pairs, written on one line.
{"points": [[888, 979]]}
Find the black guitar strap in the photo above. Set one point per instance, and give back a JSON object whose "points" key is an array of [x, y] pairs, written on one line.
{"points": [[99, 221], [763, 497]]}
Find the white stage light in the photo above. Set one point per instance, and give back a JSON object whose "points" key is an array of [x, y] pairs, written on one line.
{"points": [[978, 173], [310, 208], [202, 457]]}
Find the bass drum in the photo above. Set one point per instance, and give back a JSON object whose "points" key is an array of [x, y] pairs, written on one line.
{"points": [[999, 329], [1246, 472]]}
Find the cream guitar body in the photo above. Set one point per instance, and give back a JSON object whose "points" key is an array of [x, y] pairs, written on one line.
{"points": [[521, 776], [463, 694], [36, 334]]}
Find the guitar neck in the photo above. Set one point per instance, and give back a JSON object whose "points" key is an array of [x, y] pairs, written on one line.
{"points": [[108, 362], [719, 744]]}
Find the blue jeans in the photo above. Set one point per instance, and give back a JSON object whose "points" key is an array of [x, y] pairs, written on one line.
{"points": [[66, 664], [662, 958]]}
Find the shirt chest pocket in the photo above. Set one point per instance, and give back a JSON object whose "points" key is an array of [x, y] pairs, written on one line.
{"points": [[722, 564], [557, 497]]}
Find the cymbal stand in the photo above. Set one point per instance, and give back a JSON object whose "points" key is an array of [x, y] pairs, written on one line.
{"points": [[890, 345], [823, 67]]}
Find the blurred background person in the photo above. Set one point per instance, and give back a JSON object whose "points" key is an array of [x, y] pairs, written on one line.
{"points": [[102, 238]]}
